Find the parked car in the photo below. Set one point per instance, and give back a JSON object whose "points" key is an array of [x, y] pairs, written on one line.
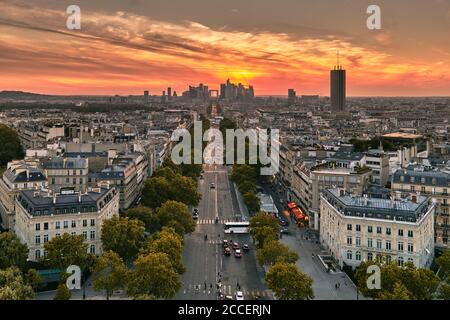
{"points": [[283, 223], [238, 253], [227, 251], [284, 231], [225, 243]]}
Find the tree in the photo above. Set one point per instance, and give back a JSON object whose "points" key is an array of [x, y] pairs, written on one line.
{"points": [[243, 172], [176, 215], [168, 185], [400, 292], [146, 215], [153, 275], [34, 279], [264, 234], [62, 292], [288, 283], [444, 264], [273, 251], [262, 219], [444, 290], [67, 250], [109, 273], [251, 201], [11, 148], [123, 236], [12, 251], [361, 277], [422, 283], [13, 286], [169, 242], [247, 186]]}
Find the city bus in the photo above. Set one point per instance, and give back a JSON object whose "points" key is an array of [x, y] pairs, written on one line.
{"points": [[237, 227]]}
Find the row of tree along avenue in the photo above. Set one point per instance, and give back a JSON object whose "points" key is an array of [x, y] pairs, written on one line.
{"points": [[407, 282], [142, 248], [283, 276]]}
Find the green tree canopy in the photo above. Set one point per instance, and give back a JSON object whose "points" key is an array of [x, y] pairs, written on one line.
{"points": [[12, 251], [167, 185], [169, 242], [444, 263], [62, 292], [109, 272], [243, 172], [176, 215], [251, 201], [153, 275], [123, 236], [273, 251], [247, 186], [11, 148], [13, 285], [67, 250], [288, 283], [400, 292], [146, 215]]}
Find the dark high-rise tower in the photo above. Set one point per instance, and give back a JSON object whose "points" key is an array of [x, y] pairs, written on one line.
{"points": [[337, 88]]}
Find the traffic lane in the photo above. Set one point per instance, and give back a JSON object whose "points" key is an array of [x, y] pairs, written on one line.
{"points": [[225, 204], [242, 271]]}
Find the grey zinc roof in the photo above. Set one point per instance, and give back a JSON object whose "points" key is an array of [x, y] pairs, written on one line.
{"points": [[376, 208], [436, 178], [64, 163], [34, 175]]}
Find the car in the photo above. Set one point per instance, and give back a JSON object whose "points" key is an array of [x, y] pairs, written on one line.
{"points": [[227, 251], [283, 223], [245, 247], [195, 216], [235, 246], [238, 253], [196, 210], [225, 243], [201, 177], [239, 295], [285, 231], [213, 185]]}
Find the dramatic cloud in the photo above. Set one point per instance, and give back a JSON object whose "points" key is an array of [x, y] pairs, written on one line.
{"points": [[126, 53]]}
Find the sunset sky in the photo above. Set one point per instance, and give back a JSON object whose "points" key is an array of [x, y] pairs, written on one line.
{"points": [[127, 46]]}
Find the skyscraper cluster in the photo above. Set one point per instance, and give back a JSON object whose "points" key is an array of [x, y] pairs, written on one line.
{"points": [[230, 91]]}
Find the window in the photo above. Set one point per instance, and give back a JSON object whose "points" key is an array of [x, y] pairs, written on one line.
{"points": [[38, 226], [37, 254], [400, 232], [369, 256], [358, 241], [349, 227], [66, 224], [74, 224], [400, 246], [378, 243], [85, 235], [92, 222], [412, 188], [400, 261], [369, 229], [358, 227], [388, 231], [379, 230], [46, 226], [388, 245], [349, 255], [57, 235], [57, 225], [369, 242], [92, 249], [410, 233], [45, 238], [411, 260], [92, 235], [74, 233], [422, 189], [37, 239], [388, 259], [358, 256], [410, 248], [349, 241], [84, 223]]}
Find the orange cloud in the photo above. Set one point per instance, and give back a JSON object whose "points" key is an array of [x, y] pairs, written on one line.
{"points": [[126, 53]]}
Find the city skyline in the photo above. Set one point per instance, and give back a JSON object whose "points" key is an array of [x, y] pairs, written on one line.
{"points": [[130, 46]]}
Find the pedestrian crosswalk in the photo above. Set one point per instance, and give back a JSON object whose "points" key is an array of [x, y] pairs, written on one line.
{"points": [[226, 290], [212, 221]]}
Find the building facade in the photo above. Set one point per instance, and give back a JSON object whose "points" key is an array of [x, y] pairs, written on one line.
{"points": [[41, 216], [432, 183], [357, 229]]}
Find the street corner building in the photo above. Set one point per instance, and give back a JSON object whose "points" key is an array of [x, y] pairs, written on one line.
{"points": [[42, 215], [359, 228]]}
